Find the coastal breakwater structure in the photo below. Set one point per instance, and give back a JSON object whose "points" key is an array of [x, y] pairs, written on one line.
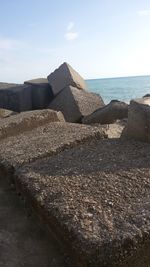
{"points": [[91, 192]]}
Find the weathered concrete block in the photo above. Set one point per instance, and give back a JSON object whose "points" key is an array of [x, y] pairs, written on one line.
{"points": [[43, 141], [8, 85], [15, 97], [41, 93], [24, 241], [115, 110], [36, 81], [138, 126], [64, 76], [95, 201], [74, 103], [28, 120]]}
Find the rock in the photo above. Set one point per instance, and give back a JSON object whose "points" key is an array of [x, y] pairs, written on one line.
{"points": [[94, 198], [15, 97], [108, 114], [26, 121], [42, 93], [4, 113], [138, 126], [64, 76], [148, 95], [74, 103]]}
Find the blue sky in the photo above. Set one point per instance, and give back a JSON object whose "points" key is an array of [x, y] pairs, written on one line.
{"points": [[99, 38]]}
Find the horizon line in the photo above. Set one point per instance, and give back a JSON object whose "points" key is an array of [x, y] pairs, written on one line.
{"points": [[118, 77]]}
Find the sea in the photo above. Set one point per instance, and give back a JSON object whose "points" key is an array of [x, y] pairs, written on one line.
{"points": [[123, 89]]}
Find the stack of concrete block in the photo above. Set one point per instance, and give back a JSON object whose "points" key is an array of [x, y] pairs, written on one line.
{"points": [[70, 94]]}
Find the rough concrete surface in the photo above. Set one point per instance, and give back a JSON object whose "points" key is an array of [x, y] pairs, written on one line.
{"points": [[28, 120], [37, 81], [75, 104], [115, 130], [45, 140], [8, 85], [115, 110], [15, 97], [138, 126], [64, 76], [5, 113], [23, 242], [98, 197], [41, 93]]}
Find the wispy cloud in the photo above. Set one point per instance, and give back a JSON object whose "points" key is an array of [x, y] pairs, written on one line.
{"points": [[144, 12], [71, 34]]}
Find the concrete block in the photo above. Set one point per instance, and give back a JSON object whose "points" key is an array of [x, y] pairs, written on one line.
{"points": [[64, 76], [74, 103]]}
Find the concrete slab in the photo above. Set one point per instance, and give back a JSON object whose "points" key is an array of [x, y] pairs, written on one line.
{"points": [[23, 241], [96, 197], [26, 121], [44, 141]]}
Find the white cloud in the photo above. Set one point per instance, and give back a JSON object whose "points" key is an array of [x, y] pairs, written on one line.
{"points": [[143, 12], [71, 34]]}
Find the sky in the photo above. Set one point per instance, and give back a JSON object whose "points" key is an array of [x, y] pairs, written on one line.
{"points": [[98, 38]]}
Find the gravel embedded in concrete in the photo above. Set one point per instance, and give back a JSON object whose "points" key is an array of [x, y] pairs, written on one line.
{"points": [[45, 140], [26, 121], [23, 242], [98, 196]]}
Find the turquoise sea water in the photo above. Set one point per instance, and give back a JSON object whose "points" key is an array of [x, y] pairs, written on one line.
{"points": [[123, 89]]}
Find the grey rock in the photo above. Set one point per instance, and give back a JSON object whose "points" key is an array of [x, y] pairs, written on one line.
{"points": [[28, 120], [15, 97], [108, 114], [74, 103], [138, 126], [64, 76], [41, 93]]}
